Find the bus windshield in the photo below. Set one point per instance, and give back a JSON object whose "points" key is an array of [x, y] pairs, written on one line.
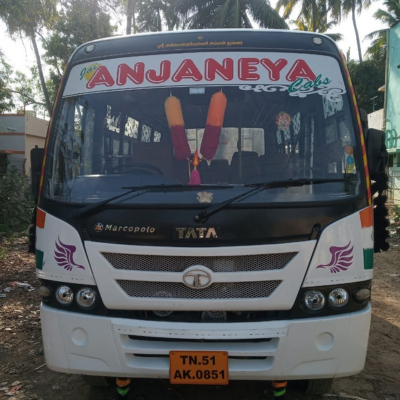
{"points": [[191, 119]]}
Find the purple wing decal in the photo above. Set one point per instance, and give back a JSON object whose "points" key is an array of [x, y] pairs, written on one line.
{"points": [[342, 258], [64, 256]]}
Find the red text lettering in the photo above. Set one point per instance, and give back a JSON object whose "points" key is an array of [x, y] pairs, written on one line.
{"points": [[248, 69], [225, 71], [125, 72], [165, 72], [300, 69], [100, 77], [274, 68], [187, 70]]}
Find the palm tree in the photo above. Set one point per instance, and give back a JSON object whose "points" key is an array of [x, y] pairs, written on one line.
{"points": [[313, 15], [391, 17], [202, 14], [154, 15], [318, 22], [353, 6], [26, 18]]}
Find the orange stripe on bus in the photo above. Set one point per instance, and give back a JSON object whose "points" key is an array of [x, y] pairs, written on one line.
{"points": [[40, 218], [366, 217]]}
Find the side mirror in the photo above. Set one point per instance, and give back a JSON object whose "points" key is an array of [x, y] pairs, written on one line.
{"points": [[36, 169], [376, 153]]}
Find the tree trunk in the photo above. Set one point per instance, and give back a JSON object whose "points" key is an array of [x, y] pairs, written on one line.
{"points": [[314, 16], [129, 17], [94, 19], [41, 76], [159, 26], [133, 16], [353, 14]]}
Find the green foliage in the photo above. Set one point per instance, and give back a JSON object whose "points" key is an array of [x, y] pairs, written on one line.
{"points": [[6, 97], [390, 18], [367, 77], [396, 213], [26, 16], [313, 14], [78, 23], [305, 20], [230, 14], [156, 15], [16, 203]]}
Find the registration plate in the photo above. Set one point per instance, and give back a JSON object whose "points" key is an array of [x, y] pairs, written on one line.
{"points": [[198, 367]]}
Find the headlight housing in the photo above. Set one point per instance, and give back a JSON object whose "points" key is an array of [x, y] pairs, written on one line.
{"points": [[338, 297], [86, 298], [331, 300], [64, 295], [314, 300]]}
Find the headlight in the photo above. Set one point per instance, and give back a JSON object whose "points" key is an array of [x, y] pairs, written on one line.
{"points": [[64, 295], [86, 297], [314, 300], [338, 297]]}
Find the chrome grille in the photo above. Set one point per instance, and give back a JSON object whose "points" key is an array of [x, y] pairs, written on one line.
{"points": [[176, 290], [152, 263]]}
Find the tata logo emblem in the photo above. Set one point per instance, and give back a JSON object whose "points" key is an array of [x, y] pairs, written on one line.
{"points": [[197, 277], [196, 233], [98, 227]]}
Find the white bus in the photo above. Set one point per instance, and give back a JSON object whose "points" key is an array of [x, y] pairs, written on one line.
{"points": [[205, 211]]}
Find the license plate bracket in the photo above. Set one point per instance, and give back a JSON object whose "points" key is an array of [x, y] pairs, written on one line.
{"points": [[198, 367]]}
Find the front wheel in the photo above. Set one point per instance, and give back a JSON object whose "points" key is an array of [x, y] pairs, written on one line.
{"points": [[319, 386]]}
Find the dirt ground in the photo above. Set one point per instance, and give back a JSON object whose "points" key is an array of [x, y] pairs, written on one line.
{"points": [[23, 374]]}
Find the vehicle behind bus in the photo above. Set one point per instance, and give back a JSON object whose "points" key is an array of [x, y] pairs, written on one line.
{"points": [[206, 211]]}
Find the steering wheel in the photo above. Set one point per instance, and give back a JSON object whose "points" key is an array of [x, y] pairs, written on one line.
{"points": [[129, 167]]}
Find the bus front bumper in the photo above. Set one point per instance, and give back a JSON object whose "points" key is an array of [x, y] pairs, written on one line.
{"points": [[293, 349]]}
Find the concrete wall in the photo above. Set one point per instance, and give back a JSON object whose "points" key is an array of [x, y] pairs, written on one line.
{"points": [[36, 126], [18, 135], [12, 123], [376, 120]]}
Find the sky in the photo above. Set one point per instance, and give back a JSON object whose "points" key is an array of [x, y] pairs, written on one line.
{"points": [[20, 54]]}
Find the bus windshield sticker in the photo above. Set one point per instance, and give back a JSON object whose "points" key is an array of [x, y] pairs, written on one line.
{"points": [[283, 120], [298, 74]]}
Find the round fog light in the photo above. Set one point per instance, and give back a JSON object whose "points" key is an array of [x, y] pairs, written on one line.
{"points": [[86, 297], [362, 294], [314, 300], [338, 297], [64, 295]]}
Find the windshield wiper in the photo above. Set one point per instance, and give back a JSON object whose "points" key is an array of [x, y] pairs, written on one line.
{"points": [[93, 207], [258, 187]]}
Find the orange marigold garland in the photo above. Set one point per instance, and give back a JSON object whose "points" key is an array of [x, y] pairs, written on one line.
{"points": [[215, 119], [176, 125]]}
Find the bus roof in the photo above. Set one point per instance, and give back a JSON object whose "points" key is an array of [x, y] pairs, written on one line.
{"points": [[205, 40]]}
